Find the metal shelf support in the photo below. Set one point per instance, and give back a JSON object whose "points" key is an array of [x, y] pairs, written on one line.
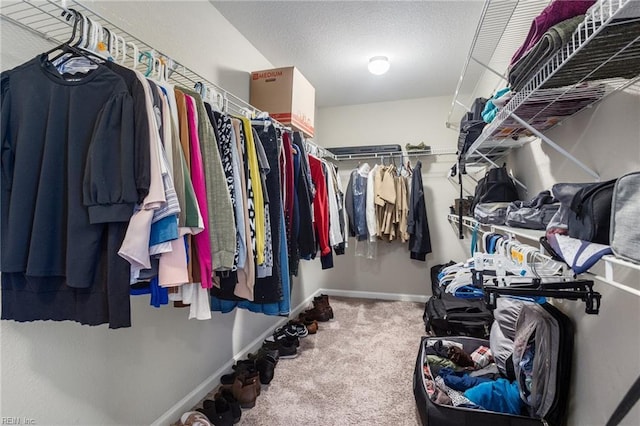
{"points": [[489, 68], [555, 146]]}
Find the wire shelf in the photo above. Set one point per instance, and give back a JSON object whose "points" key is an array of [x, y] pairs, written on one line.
{"points": [[409, 154], [575, 78]]}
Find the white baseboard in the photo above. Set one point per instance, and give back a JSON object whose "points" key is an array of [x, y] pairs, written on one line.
{"points": [[189, 401], [374, 295]]}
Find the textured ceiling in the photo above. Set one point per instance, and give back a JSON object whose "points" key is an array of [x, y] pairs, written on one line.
{"points": [[332, 41]]}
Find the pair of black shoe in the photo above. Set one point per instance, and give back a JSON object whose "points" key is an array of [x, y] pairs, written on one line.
{"points": [[286, 346], [223, 410], [263, 364]]}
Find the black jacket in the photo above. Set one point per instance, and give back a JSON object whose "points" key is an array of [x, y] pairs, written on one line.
{"points": [[418, 227]]}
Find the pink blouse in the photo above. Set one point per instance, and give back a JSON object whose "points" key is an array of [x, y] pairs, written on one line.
{"points": [[201, 240]]}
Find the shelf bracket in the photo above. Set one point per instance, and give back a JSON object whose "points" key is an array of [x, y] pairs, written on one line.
{"points": [[489, 68], [555, 146], [522, 185], [457, 102]]}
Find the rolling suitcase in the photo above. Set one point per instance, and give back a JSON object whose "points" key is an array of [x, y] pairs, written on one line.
{"points": [[544, 400], [448, 315]]}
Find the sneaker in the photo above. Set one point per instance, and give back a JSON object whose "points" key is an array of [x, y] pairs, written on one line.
{"points": [[300, 329], [262, 352], [286, 350], [288, 334]]}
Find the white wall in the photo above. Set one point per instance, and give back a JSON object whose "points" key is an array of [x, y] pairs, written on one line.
{"points": [[400, 122], [607, 352], [64, 373]]}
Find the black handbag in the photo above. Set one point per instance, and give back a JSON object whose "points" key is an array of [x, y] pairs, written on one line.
{"points": [[590, 213]]}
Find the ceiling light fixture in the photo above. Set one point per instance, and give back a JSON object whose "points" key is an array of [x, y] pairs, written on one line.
{"points": [[379, 65]]}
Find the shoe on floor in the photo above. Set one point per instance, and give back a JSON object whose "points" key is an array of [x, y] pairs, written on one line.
{"points": [[310, 323], [195, 418], [298, 328], [245, 390], [312, 326], [319, 314], [240, 369], [218, 412], [286, 349], [262, 352], [234, 405], [284, 335], [266, 367], [228, 381]]}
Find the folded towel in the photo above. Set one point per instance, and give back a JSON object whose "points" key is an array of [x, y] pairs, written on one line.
{"points": [[552, 41], [557, 11]]}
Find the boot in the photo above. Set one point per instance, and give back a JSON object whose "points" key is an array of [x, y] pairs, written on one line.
{"points": [[319, 314], [245, 390], [228, 381], [266, 366], [322, 302]]}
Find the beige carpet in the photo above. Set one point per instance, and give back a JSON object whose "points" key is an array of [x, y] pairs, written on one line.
{"points": [[357, 370]]}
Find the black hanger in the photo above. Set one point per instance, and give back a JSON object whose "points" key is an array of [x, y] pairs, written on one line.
{"points": [[67, 47], [76, 17], [571, 290]]}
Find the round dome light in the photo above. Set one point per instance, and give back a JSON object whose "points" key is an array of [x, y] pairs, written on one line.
{"points": [[379, 65]]}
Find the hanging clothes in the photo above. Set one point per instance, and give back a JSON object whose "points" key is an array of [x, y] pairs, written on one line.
{"points": [[132, 186], [218, 201], [61, 206], [321, 211], [417, 225], [305, 193], [269, 288]]}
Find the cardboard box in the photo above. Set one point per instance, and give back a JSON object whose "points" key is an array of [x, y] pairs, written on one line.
{"points": [[286, 95]]}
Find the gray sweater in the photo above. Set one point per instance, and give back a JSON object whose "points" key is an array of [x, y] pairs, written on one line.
{"points": [[222, 227]]}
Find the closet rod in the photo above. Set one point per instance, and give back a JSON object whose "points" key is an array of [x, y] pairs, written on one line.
{"points": [[44, 19], [375, 155]]}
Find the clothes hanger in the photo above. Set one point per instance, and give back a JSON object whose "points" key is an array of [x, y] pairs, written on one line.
{"points": [[149, 59], [69, 48], [68, 14], [571, 290], [123, 48], [136, 53]]}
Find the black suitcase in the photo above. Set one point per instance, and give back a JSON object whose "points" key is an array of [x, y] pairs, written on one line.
{"points": [[434, 414], [448, 315]]}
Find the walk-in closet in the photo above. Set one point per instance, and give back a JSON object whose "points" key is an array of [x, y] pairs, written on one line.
{"points": [[320, 213]]}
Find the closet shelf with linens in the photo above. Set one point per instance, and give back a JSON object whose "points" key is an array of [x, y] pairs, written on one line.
{"points": [[572, 58], [126, 184]]}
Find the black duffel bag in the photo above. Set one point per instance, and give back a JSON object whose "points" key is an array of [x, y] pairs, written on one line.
{"points": [[590, 213], [495, 187]]}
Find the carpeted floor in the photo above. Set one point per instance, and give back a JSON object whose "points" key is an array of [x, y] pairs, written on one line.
{"points": [[357, 370]]}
